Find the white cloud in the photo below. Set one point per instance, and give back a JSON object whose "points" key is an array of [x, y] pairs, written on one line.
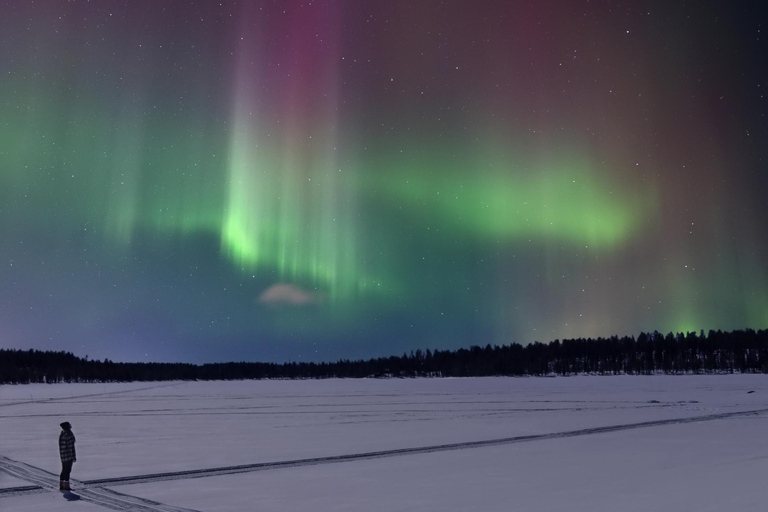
{"points": [[290, 294]]}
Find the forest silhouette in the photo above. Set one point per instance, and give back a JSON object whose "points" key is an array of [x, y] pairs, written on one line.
{"points": [[739, 351]]}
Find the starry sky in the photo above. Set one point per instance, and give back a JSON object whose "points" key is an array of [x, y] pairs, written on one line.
{"points": [[312, 180]]}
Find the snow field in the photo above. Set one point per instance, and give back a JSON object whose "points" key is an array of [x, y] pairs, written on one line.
{"points": [[139, 429]]}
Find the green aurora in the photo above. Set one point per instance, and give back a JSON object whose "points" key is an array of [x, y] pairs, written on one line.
{"points": [[245, 192]]}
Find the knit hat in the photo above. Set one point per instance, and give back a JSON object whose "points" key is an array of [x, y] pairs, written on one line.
{"points": [[66, 425]]}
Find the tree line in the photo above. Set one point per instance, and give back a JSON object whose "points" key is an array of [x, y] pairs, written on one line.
{"points": [[742, 351]]}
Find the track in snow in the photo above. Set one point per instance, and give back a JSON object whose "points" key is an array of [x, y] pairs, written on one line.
{"points": [[114, 500], [21, 490], [93, 491], [265, 466], [66, 398], [39, 478], [45, 481]]}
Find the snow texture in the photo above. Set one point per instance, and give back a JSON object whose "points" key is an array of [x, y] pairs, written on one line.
{"points": [[576, 443]]}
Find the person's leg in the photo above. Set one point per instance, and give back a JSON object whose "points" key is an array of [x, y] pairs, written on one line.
{"points": [[66, 469]]}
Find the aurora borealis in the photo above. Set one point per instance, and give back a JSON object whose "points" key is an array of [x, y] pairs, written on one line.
{"points": [[312, 180]]}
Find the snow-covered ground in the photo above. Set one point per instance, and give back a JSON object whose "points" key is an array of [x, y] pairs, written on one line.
{"points": [[529, 444]]}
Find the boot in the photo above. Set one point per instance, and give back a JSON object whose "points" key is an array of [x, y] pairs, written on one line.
{"points": [[61, 485], [66, 485]]}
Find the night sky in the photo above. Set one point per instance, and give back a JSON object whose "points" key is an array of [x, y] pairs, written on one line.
{"points": [[312, 180]]}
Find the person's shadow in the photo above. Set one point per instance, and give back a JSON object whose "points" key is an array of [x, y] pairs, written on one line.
{"points": [[70, 496]]}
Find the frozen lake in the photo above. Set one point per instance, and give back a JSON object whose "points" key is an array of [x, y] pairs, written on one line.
{"points": [[533, 444]]}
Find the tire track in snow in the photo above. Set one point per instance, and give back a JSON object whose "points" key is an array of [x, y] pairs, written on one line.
{"points": [[39, 478], [64, 398], [92, 490], [21, 490], [46, 481], [114, 500], [266, 466], [244, 411]]}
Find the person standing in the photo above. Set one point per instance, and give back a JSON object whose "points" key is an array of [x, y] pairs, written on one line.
{"points": [[67, 452]]}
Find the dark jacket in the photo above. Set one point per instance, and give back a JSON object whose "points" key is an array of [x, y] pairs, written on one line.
{"points": [[67, 446]]}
